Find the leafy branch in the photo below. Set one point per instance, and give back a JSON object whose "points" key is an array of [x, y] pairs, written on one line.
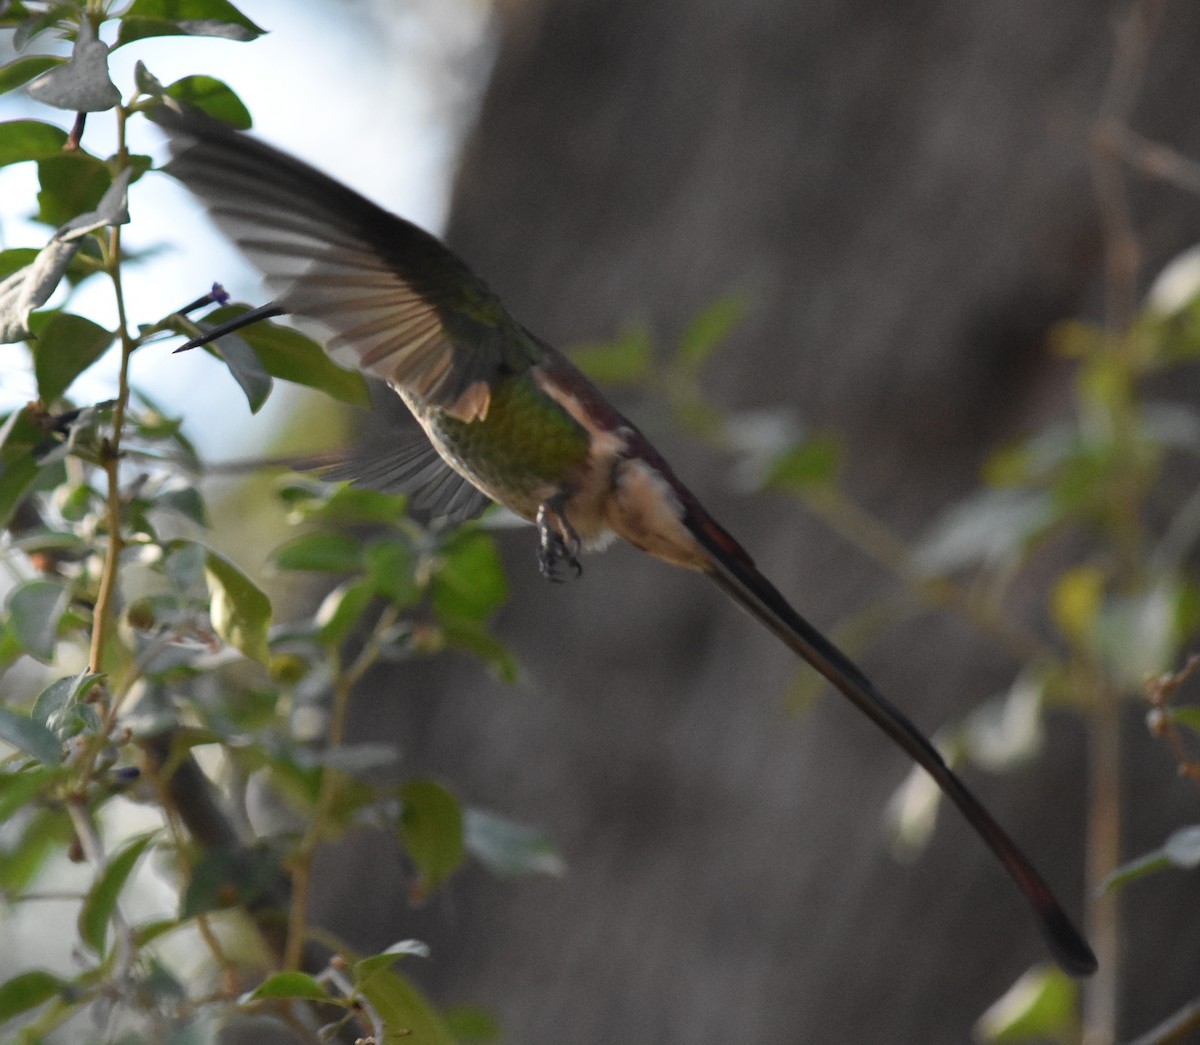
{"points": [[110, 567]]}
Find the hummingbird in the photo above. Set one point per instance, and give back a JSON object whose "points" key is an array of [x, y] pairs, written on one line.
{"points": [[506, 417]]}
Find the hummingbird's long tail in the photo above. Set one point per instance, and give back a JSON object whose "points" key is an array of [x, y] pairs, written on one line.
{"points": [[734, 572]]}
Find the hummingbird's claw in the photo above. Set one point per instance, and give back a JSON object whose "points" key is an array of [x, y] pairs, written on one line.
{"points": [[558, 545]]}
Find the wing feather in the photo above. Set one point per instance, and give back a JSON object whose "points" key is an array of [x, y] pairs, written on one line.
{"points": [[410, 466], [382, 294]]}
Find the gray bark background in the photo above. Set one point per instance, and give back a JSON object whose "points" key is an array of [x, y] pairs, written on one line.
{"points": [[903, 191]]}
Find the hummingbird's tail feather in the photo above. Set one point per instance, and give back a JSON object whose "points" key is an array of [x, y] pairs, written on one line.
{"points": [[737, 575]]}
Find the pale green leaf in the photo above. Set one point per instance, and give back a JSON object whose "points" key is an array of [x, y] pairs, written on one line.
{"points": [[34, 611], [64, 347], [1041, 1006], [408, 1019], [469, 583], [509, 849], [219, 18], [431, 827], [290, 985], [27, 991], [327, 552], [706, 332], [22, 70], [290, 356], [100, 904], [29, 736], [22, 140], [240, 612]]}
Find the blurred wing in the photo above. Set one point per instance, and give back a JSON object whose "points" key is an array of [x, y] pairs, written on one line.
{"points": [[383, 295], [409, 466]]}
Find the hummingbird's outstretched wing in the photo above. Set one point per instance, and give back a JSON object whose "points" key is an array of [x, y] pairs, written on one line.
{"points": [[383, 295]]}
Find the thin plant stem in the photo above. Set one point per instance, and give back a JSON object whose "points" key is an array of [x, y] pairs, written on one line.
{"points": [[301, 863], [873, 538], [1103, 854], [93, 851], [1122, 261], [105, 610]]}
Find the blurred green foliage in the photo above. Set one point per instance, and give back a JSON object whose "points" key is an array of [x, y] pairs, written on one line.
{"points": [[153, 646]]}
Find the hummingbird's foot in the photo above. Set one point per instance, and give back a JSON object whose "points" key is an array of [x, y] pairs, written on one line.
{"points": [[559, 543]]}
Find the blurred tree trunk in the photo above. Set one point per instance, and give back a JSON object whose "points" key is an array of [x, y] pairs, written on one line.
{"points": [[902, 192]]}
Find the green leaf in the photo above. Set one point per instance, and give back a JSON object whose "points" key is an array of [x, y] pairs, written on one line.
{"points": [[27, 991], [146, 82], [1188, 715], [391, 570], [1183, 848], [326, 552], [341, 610], [148, 932], [58, 706], [101, 901], [37, 21], [16, 259], [146, 18], [626, 360], [814, 462], [184, 565], [408, 1019], [83, 84], [1042, 1005], [46, 834], [245, 367], [290, 356], [12, 13], [20, 440], [17, 788], [16, 478], [22, 140], [35, 609], [1134, 869], [240, 612], [291, 985], [1138, 635], [476, 639], [431, 826], [215, 97], [993, 526], [708, 330], [187, 501], [469, 583], [347, 504], [72, 183], [509, 849], [66, 345], [1075, 602], [21, 71], [385, 959]]}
